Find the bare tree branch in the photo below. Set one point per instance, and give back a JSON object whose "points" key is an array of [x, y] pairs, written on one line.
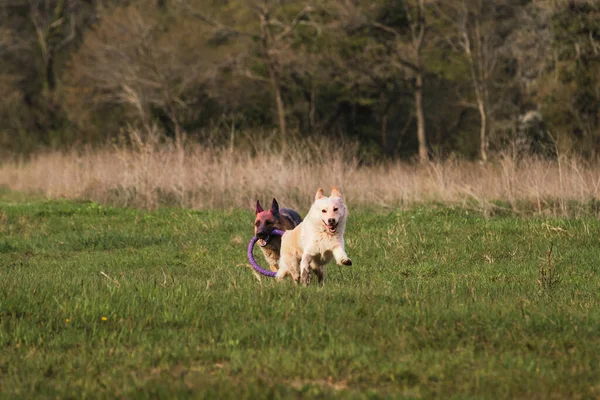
{"points": [[212, 22], [291, 26]]}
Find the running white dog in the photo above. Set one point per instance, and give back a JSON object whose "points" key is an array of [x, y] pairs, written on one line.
{"points": [[316, 240]]}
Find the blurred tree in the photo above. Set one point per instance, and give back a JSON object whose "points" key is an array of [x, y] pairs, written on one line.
{"points": [[407, 27], [467, 76], [135, 61], [474, 21], [46, 31], [271, 27], [570, 90]]}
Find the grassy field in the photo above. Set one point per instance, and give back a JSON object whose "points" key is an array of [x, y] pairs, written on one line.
{"points": [[102, 302]]}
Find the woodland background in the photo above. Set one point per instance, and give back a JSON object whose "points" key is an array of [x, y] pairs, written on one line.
{"points": [[405, 78]]}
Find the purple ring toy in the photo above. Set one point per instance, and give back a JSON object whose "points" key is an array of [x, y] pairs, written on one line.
{"points": [[251, 256]]}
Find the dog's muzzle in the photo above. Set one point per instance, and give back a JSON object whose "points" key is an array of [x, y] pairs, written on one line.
{"points": [[263, 239], [330, 225]]}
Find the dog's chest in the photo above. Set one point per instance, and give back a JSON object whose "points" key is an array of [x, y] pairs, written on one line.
{"points": [[323, 246], [271, 251]]}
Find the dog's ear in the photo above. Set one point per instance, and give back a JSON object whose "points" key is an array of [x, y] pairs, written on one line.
{"points": [[259, 208], [336, 192], [274, 207], [319, 194]]}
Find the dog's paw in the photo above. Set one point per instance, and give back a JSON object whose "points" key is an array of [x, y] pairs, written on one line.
{"points": [[347, 262], [279, 276]]}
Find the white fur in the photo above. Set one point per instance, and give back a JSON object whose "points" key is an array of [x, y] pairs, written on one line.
{"points": [[312, 244]]}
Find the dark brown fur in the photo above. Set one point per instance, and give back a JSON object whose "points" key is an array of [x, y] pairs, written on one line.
{"points": [[275, 218]]}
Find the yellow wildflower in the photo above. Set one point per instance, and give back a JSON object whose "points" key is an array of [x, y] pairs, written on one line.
{"points": [[104, 318]]}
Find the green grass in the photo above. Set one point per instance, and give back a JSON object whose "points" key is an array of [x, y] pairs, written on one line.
{"points": [[439, 303]]}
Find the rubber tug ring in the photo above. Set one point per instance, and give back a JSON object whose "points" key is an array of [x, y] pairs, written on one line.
{"points": [[253, 262]]}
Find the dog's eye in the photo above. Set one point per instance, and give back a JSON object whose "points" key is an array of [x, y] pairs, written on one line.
{"points": [[257, 223], [335, 209], [323, 211], [268, 222]]}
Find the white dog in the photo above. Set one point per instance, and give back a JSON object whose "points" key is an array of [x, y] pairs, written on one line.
{"points": [[316, 240]]}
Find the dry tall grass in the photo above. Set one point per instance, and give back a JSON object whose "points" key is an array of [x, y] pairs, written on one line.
{"points": [[151, 173]]}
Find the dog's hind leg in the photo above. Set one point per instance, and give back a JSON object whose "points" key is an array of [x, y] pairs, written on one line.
{"points": [[305, 269], [318, 270], [305, 277]]}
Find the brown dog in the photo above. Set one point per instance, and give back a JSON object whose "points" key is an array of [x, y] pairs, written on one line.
{"points": [[275, 218]]}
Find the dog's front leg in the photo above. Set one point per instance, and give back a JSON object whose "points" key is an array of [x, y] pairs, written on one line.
{"points": [[341, 258], [281, 273], [305, 269], [283, 268]]}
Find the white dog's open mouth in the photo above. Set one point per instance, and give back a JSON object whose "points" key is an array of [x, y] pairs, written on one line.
{"points": [[264, 242], [331, 228]]}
